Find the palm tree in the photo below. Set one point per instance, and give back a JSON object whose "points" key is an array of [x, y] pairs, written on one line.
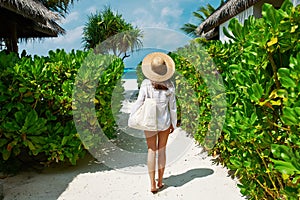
{"points": [[201, 14], [112, 31], [125, 41]]}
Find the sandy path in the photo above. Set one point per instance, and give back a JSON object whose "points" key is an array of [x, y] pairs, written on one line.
{"points": [[190, 174]]}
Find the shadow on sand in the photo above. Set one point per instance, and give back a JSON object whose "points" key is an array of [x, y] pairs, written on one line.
{"points": [[181, 179]]}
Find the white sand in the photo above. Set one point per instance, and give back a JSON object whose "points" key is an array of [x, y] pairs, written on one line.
{"points": [[190, 174], [130, 84], [193, 176]]}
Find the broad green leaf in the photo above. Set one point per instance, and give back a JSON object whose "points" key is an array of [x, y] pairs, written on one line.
{"points": [[30, 145], [256, 92], [64, 140], [3, 98], [11, 126], [28, 99], [19, 116], [247, 164], [289, 120], [284, 167], [285, 78], [253, 118], [287, 5], [6, 154], [37, 139], [3, 142], [227, 34], [23, 89], [297, 111], [282, 151], [235, 162], [270, 14], [30, 119], [236, 28], [290, 116]]}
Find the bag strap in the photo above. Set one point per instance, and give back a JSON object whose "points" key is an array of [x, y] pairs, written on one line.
{"points": [[151, 92]]}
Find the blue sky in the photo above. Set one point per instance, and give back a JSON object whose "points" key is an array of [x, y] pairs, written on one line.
{"points": [[158, 14]]}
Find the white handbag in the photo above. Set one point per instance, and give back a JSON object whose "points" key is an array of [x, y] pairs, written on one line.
{"points": [[145, 117]]}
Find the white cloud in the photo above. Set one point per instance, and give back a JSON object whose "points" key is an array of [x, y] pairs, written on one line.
{"points": [[145, 18], [141, 12], [170, 11], [72, 17], [141, 23], [161, 13], [70, 37], [71, 40], [162, 38]]}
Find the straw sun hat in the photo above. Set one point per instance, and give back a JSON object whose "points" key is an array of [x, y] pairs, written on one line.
{"points": [[158, 66]]}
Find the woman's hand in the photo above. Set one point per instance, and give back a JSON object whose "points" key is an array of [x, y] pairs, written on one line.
{"points": [[171, 128]]}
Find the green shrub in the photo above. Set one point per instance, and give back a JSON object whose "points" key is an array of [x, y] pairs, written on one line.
{"points": [[190, 90], [95, 108], [260, 69], [200, 94], [36, 116]]}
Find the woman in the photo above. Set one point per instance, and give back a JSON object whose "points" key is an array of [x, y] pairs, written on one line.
{"points": [[158, 68]]}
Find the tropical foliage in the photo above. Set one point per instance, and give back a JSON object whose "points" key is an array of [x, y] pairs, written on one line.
{"points": [[108, 31], [260, 140], [200, 94], [36, 117], [200, 15]]}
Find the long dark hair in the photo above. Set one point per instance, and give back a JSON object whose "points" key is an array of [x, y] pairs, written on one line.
{"points": [[160, 86]]}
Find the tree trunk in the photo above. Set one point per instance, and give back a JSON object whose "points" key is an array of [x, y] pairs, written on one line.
{"points": [[11, 43]]}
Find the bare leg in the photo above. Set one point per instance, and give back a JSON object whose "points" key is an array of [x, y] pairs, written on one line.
{"points": [[151, 138], [162, 142]]}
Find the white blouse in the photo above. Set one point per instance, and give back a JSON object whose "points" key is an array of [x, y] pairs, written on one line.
{"points": [[166, 104]]}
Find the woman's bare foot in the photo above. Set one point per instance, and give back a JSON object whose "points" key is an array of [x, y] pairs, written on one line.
{"points": [[160, 185], [154, 190]]}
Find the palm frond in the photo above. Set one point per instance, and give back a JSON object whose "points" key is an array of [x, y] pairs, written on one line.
{"points": [[189, 29], [201, 14], [227, 10]]}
